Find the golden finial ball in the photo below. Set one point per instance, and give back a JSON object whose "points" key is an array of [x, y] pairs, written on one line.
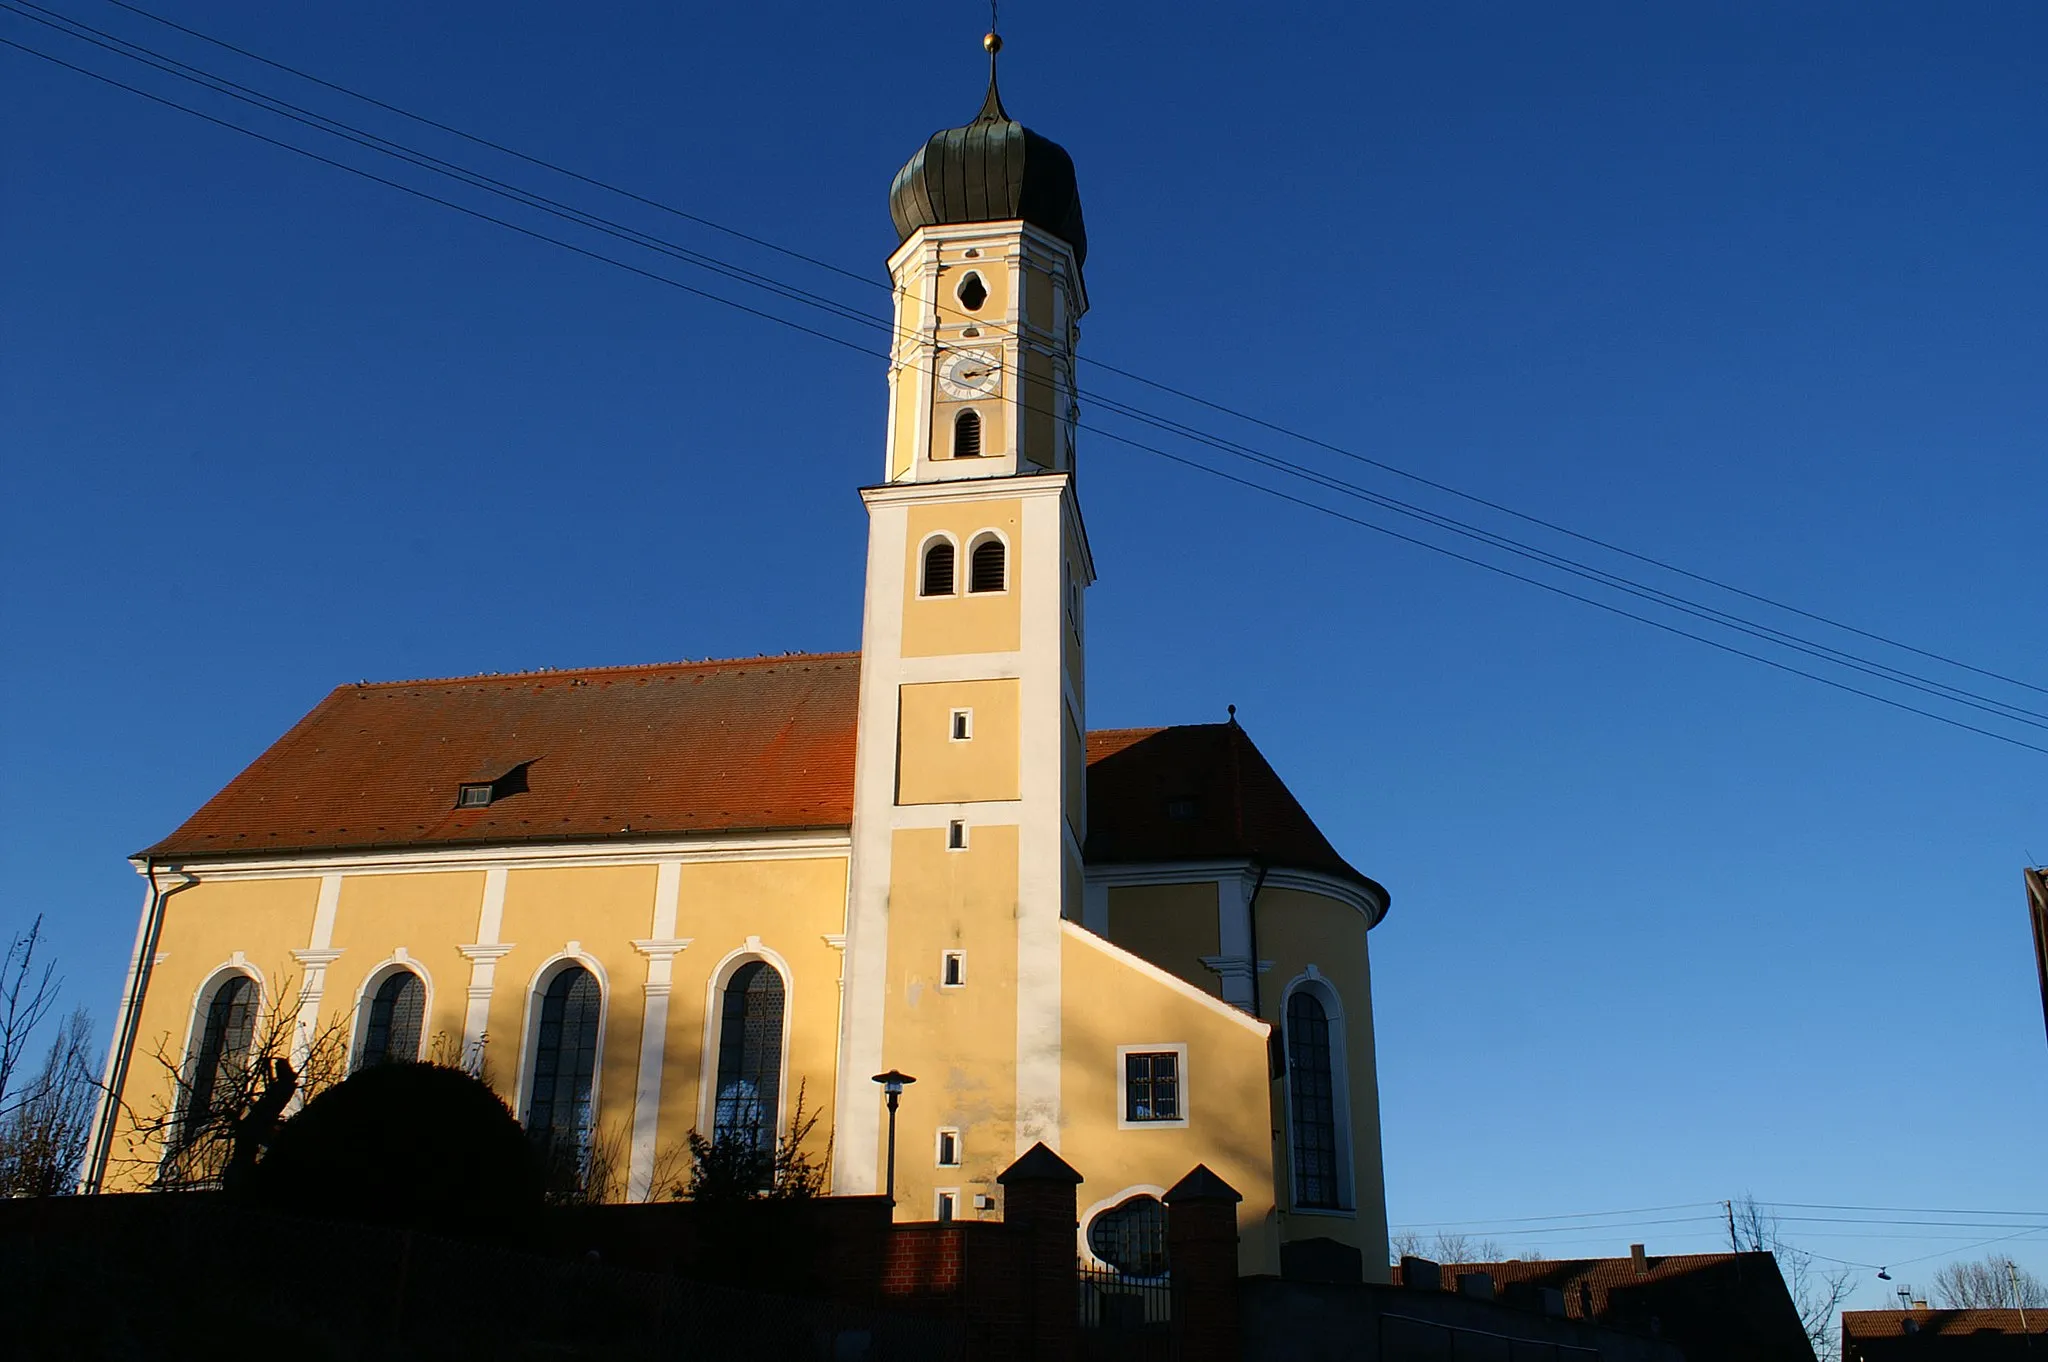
{"points": [[993, 42]]}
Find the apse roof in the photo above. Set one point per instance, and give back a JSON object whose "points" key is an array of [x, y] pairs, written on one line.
{"points": [[757, 744]]}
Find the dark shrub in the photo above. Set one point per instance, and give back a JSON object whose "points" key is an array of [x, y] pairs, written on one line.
{"points": [[421, 1145]]}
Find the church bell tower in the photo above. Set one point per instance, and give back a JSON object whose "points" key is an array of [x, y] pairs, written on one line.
{"points": [[970, 776]]}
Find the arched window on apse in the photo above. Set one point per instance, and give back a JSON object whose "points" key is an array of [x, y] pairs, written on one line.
{"points": [[565, 1060], [985, 572], [967, 435], [1312, 1099], [937, 579], [396, 1015], [225, 1037], [750, 1056]]}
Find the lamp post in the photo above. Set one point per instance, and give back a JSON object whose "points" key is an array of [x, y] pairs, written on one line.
{"points": [[893, 1083]]}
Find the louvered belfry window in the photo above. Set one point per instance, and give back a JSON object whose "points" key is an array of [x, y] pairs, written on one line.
{"points": [[938, 570], [987, 571], [967, 435]]}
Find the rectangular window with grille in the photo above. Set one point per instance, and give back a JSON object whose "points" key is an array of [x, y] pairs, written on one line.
{"points": [[1152, 1086]]}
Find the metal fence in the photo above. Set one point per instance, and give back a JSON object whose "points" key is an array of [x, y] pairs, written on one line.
{"points": [[1123, 1317]]}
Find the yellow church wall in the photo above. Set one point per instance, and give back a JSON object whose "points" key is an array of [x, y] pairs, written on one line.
{"points": [[1172, 925], [601, 909], [1111, 999], [427, 914], [1298, 929], [791, 906], [995, 435], [203, 927], [989, 622], [935, 768], [1041, 408], [959, 1043], [1038, 298], [995, 277], [1074, 769]]}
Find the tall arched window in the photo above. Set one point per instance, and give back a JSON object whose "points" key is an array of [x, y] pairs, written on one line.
{"points": [[565, 1058], [224, 1040], [392, 1035], [1312, 1098], [937, 579], [985, 570], [750, 1056], [967, 435]]}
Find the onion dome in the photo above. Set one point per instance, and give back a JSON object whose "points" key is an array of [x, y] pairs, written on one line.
{"points": [[993, 170]]}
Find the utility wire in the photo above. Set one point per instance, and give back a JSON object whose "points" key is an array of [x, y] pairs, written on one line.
{"points": [[1101, 364], [371, 141], [1569, 1215], [1121, 439]]}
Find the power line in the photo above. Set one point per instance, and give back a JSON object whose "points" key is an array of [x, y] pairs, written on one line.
{"points": [[1569, 1215], [799, 296], [1903, 1210], [371, 141], [1169, 389]]}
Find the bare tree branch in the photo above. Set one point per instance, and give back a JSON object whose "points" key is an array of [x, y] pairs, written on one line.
{"points": [[1817, 1293], [27, 993], [1992, 1284], [43, 1136]]}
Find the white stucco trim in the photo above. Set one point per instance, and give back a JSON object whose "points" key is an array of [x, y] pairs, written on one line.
{"points": [[1039, 573], [714, 990], [529, 1026], [1357, 896], [987, 813], [690, 848], [913, 671], [1172, 981], [1183, 1097], [661, 950], [1312, 980], [1110, 1203], [483, 955]]}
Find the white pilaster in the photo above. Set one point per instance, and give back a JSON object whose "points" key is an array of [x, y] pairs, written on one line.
{"points": [[483, 954], [313, 963], [661, 950]]}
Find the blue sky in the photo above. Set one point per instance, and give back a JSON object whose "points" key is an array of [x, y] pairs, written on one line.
{"points": [[1754, 289]]}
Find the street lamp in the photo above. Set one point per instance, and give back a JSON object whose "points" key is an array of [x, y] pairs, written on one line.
{"points": [[893, 1083]]}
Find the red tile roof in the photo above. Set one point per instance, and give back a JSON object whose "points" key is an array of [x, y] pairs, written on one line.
{"points": [[1712, 1305], [1197, 792], [759, 744], [1944, 1336]]}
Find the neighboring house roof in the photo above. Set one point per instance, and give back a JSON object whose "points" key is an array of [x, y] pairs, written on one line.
{"points": [[1712, 1305], [1942, 1335], [759, 744]]}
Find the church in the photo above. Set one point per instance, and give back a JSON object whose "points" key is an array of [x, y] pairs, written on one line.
{"points": [[643, 901]]}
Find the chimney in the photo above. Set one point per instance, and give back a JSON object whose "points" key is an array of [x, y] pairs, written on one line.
{"points": [[1640, 1259]]}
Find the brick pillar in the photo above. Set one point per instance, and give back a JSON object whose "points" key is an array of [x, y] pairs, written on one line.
{"points": [[1038, 1199], [1201, 1248]]}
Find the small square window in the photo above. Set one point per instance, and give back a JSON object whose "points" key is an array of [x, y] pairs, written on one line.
{"points": [[953, 969], [956, 835], [948, 1206], [1152, 1087], [949, 1149], [962, 725], [473, 796], [1182, 810]]}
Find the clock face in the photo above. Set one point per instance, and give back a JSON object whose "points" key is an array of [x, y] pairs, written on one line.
{"points": [[967, 374]]}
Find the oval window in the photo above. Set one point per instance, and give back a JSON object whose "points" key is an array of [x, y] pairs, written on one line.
{"points": [[972, 293], [1131, 1237]]}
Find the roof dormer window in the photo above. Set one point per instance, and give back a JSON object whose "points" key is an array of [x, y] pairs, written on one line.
{"points": [[473, 796], [504, 782]]}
